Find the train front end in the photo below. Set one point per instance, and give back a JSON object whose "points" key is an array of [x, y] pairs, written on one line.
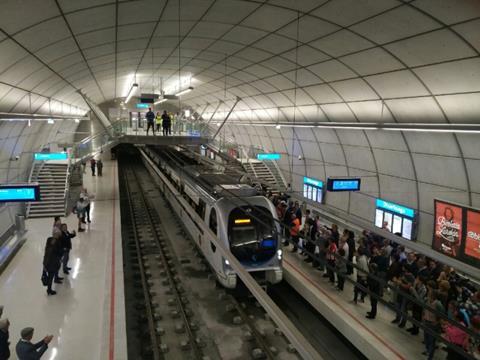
{"points": [[253, 234]]}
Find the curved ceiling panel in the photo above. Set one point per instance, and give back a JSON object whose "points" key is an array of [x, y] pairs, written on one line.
{"points": [[339, 60]]}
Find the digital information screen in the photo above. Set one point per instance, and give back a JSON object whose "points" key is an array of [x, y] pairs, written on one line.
{"points": [[395, 218], [313, 189], [272, 156], [51, 156], [343, 184], [142, 106], [19, 193]]}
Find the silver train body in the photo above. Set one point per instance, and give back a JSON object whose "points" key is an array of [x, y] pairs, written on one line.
{"points": [[243, 222]]}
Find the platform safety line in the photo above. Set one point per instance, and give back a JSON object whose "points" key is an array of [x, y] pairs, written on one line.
{"points": [[301, 273], [111, 352]]}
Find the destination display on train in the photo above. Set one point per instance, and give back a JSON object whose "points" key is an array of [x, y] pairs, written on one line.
{"points": [[19, 192]]}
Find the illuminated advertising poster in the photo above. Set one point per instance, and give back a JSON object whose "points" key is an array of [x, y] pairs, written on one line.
{"points": [[378, 218], [448, 228], [472, 235]]}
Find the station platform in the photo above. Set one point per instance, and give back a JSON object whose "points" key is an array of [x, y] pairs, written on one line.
{"points": [[376, 339], [87, 315]]}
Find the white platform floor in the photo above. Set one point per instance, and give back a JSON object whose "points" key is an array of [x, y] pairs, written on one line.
{"points": [[86, 320], [378, 338]]}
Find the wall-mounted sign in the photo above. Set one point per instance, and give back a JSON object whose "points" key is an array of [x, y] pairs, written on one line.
{"points": [[271, 156], [397, 219], [343, 184], [19, 192], [50, 156], [472, 235], [457, 231], [447, 236], [313, 189], [142, 106]]}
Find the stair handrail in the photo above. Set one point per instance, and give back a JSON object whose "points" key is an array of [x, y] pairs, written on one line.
{"points": [[42, 163], [67, 190], [117, 132]]}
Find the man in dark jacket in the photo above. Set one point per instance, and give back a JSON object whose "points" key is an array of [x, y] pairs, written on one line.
{"points": [[166, 123], [28, 351], [4, 336], [51, 260], [66, 244], [150, 120]]}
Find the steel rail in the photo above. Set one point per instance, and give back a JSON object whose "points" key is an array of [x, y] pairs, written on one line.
{"points": [[148, 305], [178, 295]]}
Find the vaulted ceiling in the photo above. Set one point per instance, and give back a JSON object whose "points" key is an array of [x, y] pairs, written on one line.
{"points": [[288, 60]]}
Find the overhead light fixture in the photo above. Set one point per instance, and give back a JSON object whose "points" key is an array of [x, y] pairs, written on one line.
{"points": [[159, 101], [218, 124], [183, 92], [77, 120], [278, 127], [51, 121], [132, 91]]}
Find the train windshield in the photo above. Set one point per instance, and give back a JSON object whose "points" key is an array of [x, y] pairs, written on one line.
{"points": [[252, 234]]}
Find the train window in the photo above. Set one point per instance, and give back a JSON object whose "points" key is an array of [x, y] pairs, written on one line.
{"points": [[213, 221], [200, 208], [212, 245]]}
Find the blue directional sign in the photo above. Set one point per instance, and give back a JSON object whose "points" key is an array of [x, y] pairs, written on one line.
{"points": [[270, 156], [142, 106], [314, 182], [19, 193], [51, 156], [395, 208], [343, 184]]}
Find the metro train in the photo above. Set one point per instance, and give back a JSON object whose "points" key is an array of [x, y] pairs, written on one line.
{"points": [[243, 221]]}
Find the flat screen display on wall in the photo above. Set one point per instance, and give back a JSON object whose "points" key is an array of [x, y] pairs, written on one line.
{"points": [[397, 219], [19, 193], [457, 231]]}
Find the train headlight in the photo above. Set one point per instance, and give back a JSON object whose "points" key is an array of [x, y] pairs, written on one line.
{"points": [[279, 254]]}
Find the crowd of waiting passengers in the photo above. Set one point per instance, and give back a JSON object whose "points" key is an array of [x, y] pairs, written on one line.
{"points": [[420, 290]]}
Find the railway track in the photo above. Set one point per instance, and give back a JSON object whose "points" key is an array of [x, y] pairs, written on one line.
{"points": [[167, 319]]}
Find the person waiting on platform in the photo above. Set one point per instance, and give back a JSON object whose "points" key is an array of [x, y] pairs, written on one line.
{"points": [[92, 165], [158, 121], [374, 287], [66, 246], [294, 232], [99, 167], [166, 124], [51, 260], [150, 120], [56, 223], [26, 350], [80, 210], [4, 339], [86, 198], [341, 268]]}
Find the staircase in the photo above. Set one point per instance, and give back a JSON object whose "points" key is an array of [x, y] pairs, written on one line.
{"points": [[53, 180], [279, 180], [259, 170]]}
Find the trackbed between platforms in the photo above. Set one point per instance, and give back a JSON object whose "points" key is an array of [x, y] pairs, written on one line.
{"points": [[302, 277]]}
